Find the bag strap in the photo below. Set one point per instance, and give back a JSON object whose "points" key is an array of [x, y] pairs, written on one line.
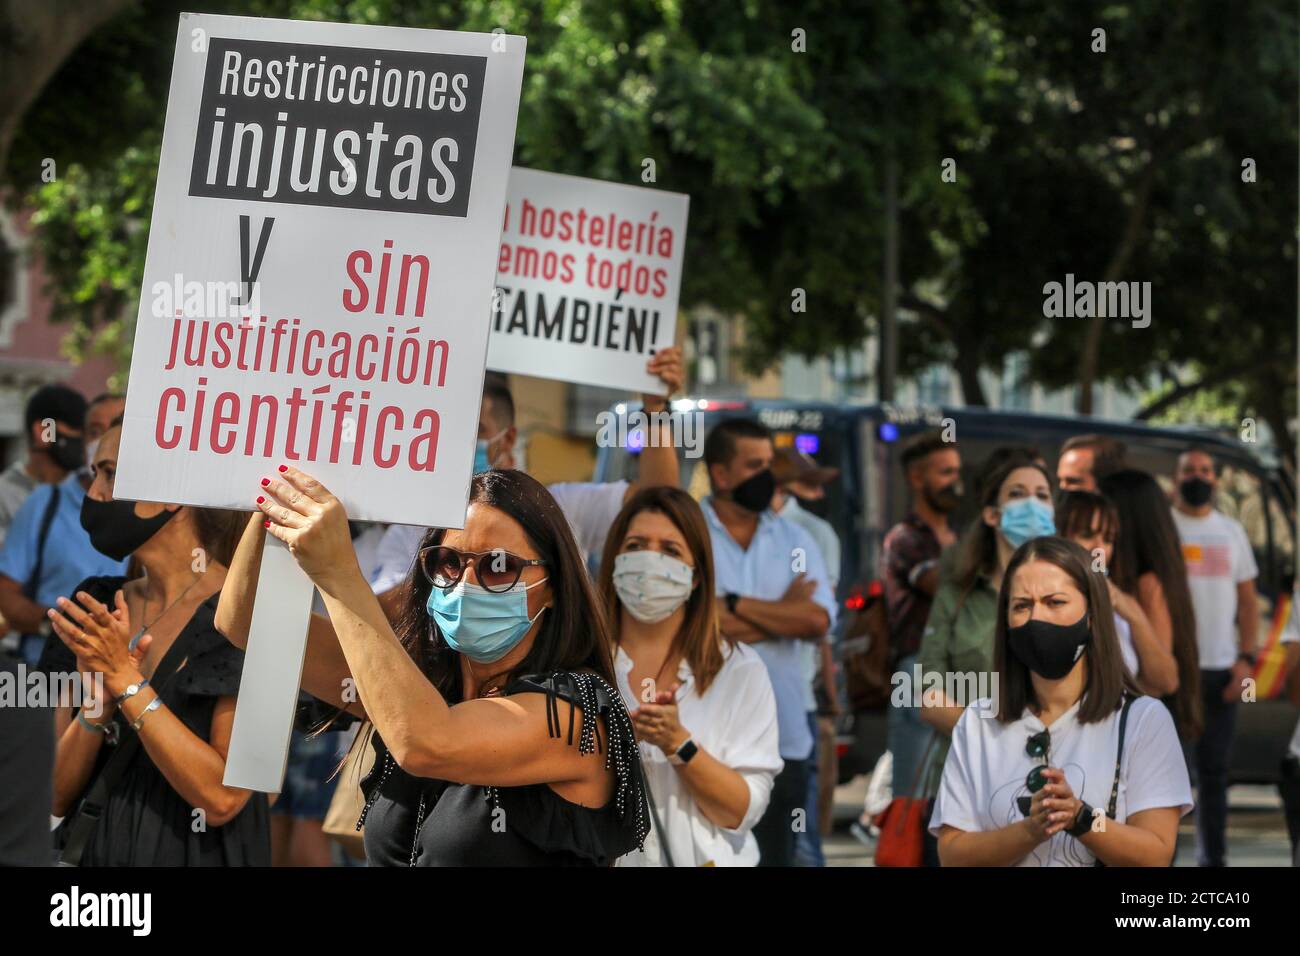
{"points": [[1119, 756], [659, 824], [42, 536], [93, 804], [1113, 804], [921, 776]]}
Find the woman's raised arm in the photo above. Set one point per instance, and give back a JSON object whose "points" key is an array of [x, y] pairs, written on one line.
{"points": [[325, 673]]}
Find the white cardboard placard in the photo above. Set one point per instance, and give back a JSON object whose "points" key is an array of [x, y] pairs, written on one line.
{"points": [[588, 277], [323, 243]]}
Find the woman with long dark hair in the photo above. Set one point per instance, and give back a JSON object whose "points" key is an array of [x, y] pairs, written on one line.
{"points": [[702, 705], [1148, 565], [1065, 765], [146, 758], [499, 736], [1091, 521]]}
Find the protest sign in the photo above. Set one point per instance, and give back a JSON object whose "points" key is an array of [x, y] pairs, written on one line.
{"points": [[588, 275], [324, 231], [322, 248]]}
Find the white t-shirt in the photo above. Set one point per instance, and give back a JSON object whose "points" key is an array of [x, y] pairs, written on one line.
{"points": [[987, 765], [1127, 649], [1218, 557], [735, 721], [589, 506]]}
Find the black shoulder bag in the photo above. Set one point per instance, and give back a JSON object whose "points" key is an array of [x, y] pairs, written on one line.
{"points": [[82, 827], [47, 519]]}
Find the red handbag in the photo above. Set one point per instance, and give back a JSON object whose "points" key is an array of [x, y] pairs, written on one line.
{"points": [[902, 823]]}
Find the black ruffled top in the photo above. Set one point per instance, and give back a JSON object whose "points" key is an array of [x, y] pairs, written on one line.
{"points": [[413, 821], [145, 821]]}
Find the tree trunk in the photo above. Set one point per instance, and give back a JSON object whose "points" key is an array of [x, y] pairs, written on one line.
{"points": [[1114, 269], [36, 37], [967, 364]]}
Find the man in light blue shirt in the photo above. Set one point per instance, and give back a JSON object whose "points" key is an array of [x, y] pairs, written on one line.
{"points": [[773, 593], [66, 558]]}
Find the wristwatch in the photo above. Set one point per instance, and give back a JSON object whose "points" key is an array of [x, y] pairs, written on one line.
{"points": [[1082, 821], [683, 754], [1249, 657], [732, 599], [132, 689]]}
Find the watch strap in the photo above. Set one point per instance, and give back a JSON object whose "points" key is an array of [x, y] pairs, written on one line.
{"points": [[1082, 821], [683, 754], [133, 689]]}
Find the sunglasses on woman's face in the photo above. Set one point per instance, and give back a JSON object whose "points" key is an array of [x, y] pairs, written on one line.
{"points": [[1038, 746], [495, 571]]}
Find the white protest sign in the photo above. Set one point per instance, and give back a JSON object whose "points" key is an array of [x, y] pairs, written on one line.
{"points": [[349, 181], [323, 243], [588, 275]]}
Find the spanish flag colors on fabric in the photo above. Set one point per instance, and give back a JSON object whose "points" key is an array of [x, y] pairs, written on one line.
{"points": [[1269, 673]]}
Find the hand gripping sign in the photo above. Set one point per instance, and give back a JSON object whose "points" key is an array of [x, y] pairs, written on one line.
{"points": [[323, 244]]}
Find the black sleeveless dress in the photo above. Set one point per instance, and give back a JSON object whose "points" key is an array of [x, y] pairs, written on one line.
{"points": [[413, 821], [146, 822]]}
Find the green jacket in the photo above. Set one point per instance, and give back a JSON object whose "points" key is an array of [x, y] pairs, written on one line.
{"points": [[958, 638]]}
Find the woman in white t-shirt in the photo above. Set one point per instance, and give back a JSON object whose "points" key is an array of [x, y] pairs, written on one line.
{"points": [[1091, 521], [1036, 775], [702, 706]]}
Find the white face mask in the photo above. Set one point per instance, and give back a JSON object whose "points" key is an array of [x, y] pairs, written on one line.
{"points": [[651, 585]]}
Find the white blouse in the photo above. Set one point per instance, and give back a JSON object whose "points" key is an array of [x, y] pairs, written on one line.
{"points": [[735, 721]]}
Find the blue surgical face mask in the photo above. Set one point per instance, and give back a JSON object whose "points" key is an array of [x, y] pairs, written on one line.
{"points": [[1026, 518], [481, 461], [483, 625]]}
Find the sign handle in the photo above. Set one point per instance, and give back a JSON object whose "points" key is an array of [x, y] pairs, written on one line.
{"points": [[268, 688]]}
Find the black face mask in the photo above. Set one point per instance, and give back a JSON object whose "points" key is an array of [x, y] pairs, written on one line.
{"points": [[1049, 650], [755, 492], [68, 453], [946, 499], [115, 529], [1196, 491]]}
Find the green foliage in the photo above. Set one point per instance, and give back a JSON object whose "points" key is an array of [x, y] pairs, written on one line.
{"points": [[1061, 154]]}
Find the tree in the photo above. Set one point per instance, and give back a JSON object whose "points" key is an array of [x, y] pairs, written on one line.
{"points": [[1124, 164]]}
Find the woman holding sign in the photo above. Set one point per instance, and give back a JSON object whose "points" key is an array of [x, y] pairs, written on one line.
{"points": [[499, 736], [142, 764]]}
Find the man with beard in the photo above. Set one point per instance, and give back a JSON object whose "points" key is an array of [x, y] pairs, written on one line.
{"points": [[909, 563], [1221, 574], [773, 592]]}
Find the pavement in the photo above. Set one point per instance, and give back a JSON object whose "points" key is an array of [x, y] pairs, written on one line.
{"points": [[1256, 829]]}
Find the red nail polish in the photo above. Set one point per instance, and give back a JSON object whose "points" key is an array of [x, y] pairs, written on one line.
{"points": [[265, 482], [283, 469], [260, 499], [266, 524]]}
